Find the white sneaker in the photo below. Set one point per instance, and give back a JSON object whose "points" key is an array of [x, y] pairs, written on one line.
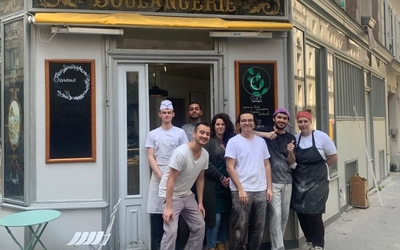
{"points": [[308, 246], [317, 248]]}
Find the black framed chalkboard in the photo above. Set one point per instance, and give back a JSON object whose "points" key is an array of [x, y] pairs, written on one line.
{"points": [[70, 111], [256, 89]]}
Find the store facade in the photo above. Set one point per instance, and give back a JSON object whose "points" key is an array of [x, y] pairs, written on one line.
{"points": [[77, 106], [342, 75]]}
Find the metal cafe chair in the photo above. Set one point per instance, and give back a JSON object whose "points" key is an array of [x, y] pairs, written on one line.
{"points": [[96, 239]]}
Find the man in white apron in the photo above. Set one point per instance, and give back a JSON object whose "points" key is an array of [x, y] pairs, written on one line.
{"points": [[160, 144]]}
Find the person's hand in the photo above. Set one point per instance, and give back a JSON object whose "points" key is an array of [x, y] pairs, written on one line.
{"points": [[243, 197], [269, 195], [168, 214], [290, 146], [271, 135], [202, 210], [225, 182], [159, 175]]}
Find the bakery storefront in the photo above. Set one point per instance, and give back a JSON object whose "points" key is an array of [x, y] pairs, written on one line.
{"points": [[82, 82]]}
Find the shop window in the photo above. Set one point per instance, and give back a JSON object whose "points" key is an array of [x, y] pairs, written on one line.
{"points": [[13, 144], [377, 95], [299, 80], [1, 139], [350, 88], [312, 80], [165, 39], [331, 108]]}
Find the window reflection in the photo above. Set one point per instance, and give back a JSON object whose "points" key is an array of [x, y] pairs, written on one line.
{"points": [[132, 116], [313, 71], [299, 89]]}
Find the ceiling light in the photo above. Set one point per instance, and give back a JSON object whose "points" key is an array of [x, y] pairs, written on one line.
{"points": [[155, 91]]}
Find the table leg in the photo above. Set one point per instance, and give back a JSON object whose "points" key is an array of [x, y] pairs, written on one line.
{"points": [[36, 234], [12, 236]]}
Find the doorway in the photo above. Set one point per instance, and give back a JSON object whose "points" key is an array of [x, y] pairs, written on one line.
{"points": [[136, 114]]}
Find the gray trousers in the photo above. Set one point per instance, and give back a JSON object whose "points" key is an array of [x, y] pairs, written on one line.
{"points": [[187, 207], [248, 221], [278, 211]]}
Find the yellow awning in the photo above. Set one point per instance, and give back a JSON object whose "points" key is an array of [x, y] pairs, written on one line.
{"points": [[138, 20]]}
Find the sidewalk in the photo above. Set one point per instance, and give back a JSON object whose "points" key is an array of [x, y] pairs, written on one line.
{"points": [[377, 227]]}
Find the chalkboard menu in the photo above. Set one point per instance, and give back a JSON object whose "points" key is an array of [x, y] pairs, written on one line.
{"points": [[256, 89], [70, 111]]}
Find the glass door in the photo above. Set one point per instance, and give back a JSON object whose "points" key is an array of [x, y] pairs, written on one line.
{"points": [[133, 170]]}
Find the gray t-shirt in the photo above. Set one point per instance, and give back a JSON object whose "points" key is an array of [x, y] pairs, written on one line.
{"points": [[189, 128], [189, 169], [281, 171]]}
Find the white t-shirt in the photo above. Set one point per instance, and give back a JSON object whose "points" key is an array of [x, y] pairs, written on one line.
{"points": [[249, 166], [165, 142], [323, 143], [189, 169]]}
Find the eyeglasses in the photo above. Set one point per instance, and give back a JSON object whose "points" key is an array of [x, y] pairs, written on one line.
{"points": [[246, 120]]}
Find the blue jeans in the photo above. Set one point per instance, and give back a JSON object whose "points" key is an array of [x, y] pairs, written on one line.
{"points": [[219, 232]]}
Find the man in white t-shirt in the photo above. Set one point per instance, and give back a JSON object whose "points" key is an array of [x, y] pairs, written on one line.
{"points": [[161, 143], [247, 163], [186, 166]]}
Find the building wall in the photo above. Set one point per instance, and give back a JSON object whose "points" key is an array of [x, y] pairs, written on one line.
{"points": [[54, 180], [261, 49], [380, 145], [252, 50], [351, 146], [67, 187]]}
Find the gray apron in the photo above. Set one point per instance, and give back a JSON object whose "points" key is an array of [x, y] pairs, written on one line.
{"points": [[310, 183]]}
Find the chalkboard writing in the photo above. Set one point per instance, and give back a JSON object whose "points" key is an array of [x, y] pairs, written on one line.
{"points": [[70, 111], [256, 89]]}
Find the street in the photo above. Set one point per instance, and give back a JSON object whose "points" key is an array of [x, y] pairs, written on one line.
{"points": [[376, 227]]}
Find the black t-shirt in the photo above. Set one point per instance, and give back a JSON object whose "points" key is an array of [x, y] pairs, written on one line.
{"points": [[281, 171]]}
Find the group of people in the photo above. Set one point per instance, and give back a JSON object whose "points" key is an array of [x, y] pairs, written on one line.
{"points": [[221, 178]]}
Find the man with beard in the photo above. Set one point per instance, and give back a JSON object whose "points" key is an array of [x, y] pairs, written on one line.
{"points": [[194, 113], [186, 167], [281, 147]]}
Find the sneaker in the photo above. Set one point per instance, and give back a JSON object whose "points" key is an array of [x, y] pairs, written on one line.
{"points": [[308, 246], [317, 248]]}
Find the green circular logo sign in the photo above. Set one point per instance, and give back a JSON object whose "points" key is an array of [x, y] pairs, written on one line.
{"points": [[256, 81]]}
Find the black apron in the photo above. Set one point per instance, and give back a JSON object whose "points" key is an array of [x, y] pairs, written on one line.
{"points": [[310, 181]]}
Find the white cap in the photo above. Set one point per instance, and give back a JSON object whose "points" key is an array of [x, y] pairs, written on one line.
{"points": [[166, 104]]}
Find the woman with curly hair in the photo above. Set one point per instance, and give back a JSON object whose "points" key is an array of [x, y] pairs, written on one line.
{"points": [[217, 195]]}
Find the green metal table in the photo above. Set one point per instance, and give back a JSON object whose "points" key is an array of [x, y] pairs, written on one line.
{"points": [[37, 218]]}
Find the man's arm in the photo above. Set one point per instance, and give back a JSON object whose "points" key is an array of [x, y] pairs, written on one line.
{"points": [[269, 179], [230, 167], [270, 135], [153, 162], [168, 211], [199, 190]]}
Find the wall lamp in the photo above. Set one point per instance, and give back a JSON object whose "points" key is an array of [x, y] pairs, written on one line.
{"points": [[85, 30]]}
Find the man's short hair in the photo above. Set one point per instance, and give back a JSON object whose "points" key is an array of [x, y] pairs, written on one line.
{"points": [[195, 103], [201, 123]]}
